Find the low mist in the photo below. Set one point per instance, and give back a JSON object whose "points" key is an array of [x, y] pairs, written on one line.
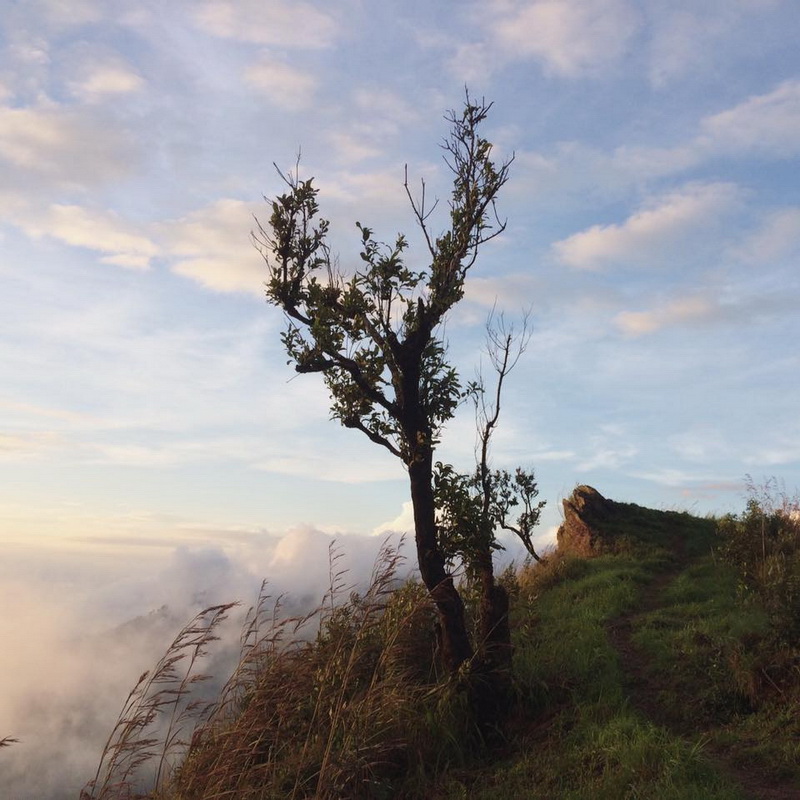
{"points": [[80, 626]]}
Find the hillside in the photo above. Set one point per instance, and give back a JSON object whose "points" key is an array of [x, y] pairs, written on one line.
{"points": [[656, 656], [652, 673]]}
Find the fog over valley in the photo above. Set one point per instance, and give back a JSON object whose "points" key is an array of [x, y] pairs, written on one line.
{"points": [[85, 628]]}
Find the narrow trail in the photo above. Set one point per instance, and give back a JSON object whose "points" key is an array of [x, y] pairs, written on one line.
{"points": [[646, 690]]}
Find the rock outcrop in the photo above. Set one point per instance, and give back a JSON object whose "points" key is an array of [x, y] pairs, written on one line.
{"points": [[586, 515]]}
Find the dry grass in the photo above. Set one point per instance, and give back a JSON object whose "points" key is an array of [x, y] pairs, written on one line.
{"points": [[346, 701], [150, 732], [335, 717]]}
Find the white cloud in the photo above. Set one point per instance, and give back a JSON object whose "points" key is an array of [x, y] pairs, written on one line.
{"points": [[402, 523], [474, 62], [212, 229], [776, 239], [306, 459], [375, 191], [375, 120], [386, 109], [76, 12], [23, 410], [84, 630], [275, 22], [70, 147], [777, 453], [351, 148], [286, 86], [213, 247], [91, 616], [25, 135], [681, 310], [767, 124], [701, 443], [743, 304], [669, 476], [106, 80], [102, 231], [584, 172], [370, 122], [638, 163], [571, 38], [505, 291], [553, 455], [676, 46], [666, 225]]}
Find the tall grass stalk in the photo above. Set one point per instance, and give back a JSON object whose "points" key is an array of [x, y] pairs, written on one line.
{"points": [[340, 715], [345, 701], [150, 730]]}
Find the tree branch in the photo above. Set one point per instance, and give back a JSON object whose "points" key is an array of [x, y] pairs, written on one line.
{"points": [[357, 424], [525, 538]]}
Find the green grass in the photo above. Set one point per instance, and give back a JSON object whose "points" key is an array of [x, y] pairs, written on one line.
{"points": [[593, 744], [580, 735]]}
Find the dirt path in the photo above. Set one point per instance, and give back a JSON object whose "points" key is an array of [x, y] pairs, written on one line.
{"points": [[646, 691]]}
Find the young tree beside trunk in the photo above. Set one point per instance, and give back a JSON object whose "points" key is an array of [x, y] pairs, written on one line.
{"points": [[373, 333], [472, 507]]}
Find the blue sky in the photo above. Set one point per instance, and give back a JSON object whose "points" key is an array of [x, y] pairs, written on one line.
{"points": [[653, 228], [153, 439]]}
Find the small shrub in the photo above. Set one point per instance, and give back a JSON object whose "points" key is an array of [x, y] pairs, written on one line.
{"points": [[763, 544]]}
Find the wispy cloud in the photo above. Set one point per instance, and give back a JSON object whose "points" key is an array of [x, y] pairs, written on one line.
{"points": [[764, 125], [667, 224], [325, 462], [68, 146], [101, 81], [28, 445], [101, 231], [78, 12], [691, 309], [283, 84], [569, 38], [609, 448], [689, 38], [212, 246], [777, 238], [276, 22], [375, 118]]}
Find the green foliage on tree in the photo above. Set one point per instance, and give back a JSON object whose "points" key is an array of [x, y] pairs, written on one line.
{"points": [[374, 334]]}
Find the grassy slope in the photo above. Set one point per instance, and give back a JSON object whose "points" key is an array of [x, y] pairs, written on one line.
{"points": [[642, 677], [644, 672]]}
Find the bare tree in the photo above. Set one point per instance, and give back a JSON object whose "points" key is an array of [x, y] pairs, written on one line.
{"points": [[473, 507]]}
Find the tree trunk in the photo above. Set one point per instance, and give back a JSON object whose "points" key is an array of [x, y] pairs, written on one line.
{"points": [[492, 681], [456, 646]]}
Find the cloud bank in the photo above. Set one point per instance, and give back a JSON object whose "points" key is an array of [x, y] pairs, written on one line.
{"points": [[86, 624]]}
